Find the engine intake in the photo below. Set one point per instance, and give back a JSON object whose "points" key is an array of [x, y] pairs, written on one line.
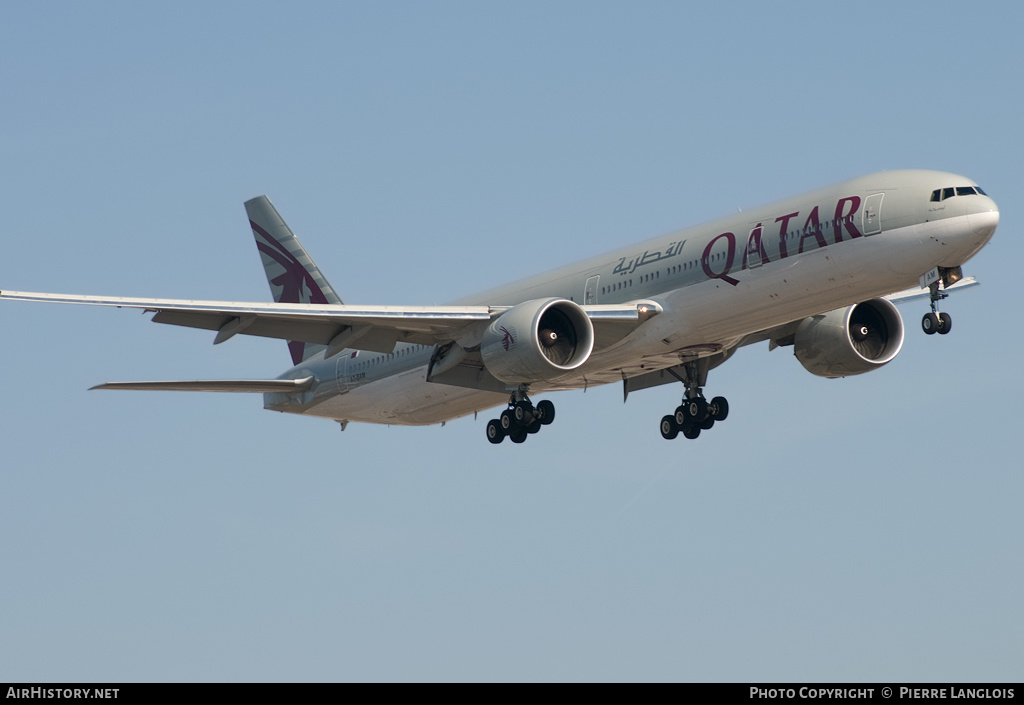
{"points": [[849, 341], [537, 341]]}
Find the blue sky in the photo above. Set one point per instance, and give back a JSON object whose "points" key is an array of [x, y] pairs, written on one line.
{"points": [[851, 530]]}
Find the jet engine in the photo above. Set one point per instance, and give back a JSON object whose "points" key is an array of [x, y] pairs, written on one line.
{"points": [[849, 341], [537, 340]]}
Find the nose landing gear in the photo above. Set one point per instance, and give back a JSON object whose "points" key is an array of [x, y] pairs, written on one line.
{"points": [[936, 322]]}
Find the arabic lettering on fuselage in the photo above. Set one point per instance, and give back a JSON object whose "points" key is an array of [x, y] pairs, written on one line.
{"points": [[648, 257]]}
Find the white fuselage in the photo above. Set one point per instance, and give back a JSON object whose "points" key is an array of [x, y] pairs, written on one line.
{"points": [[716, 283]]}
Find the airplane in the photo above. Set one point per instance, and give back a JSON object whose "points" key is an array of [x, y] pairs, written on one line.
{"points": [[819, 273]]}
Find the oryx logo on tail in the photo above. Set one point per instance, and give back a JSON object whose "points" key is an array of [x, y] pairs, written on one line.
{"points": [[293, 276]]}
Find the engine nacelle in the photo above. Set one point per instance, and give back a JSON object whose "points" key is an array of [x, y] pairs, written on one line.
{"points": [[849, 341], [537, 341]]}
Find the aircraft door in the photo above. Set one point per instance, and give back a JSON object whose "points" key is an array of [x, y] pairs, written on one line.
{"points": [[873, 214], [590, 291], [754, 248], [341, 371]]}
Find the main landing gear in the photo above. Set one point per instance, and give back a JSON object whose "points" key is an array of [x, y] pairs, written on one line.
{"points": [[695, 414], [520, 419]]}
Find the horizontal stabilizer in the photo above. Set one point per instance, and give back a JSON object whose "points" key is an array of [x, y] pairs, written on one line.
{"points": [[253, 386]]}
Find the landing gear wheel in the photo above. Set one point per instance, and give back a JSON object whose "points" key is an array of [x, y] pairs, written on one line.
{"points": [[545, 412], [521, 418], [945, 323], [523, 413], [696, 409], [669, 428], [691, 430], [680, 416], [495, 433], [508, 421], [719, 408], [706, 424], [930, 323]]}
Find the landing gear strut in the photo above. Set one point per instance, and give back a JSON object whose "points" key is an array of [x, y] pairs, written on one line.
{"points": [[521, 418], [936, 322], [695, 413]]}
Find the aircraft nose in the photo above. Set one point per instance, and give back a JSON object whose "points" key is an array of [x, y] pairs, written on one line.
{"points": [[983, 215]]}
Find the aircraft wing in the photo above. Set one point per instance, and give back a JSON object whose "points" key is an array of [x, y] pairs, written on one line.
{"points": [[255, 386], [918, 293], [337, 326]]}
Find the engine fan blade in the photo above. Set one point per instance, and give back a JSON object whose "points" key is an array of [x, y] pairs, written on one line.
{"points": [[557, 337], [868, 332]]}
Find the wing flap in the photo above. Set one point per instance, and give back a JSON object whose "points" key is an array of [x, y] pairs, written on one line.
{"points": [[304, 328]]}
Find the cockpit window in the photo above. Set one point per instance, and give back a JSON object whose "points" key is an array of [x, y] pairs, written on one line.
{"points": [[941, 194]]}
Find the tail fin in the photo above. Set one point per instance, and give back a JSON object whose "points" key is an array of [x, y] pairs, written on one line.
{"points": [[293, 276]]}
